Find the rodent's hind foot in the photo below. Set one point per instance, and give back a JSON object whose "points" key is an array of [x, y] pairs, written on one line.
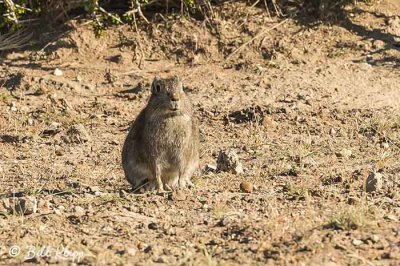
{"points": [[150, 186], [186, 183]]}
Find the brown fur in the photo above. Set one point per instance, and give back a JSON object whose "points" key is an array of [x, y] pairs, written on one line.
{"points": [[162, 147]]}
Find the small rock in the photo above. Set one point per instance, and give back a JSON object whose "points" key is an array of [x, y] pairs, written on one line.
{"points": [[131, 251], [357, 242], [391, 217], [30, 122], [13, 107], [52, 129], [345, 153], [78, 78], [269, 123], [378, 44], [59, 151], [246, 187], [352, 200], [373, 182], [228, 161], [44, 206], [160, 259], [153, 226], [178, 196], [143, 246], [374, 238], [24, 205], [78, 134], [95, 190], [119, 59], [210, 168], [114, 142], [58, 72], [79, 211], [385, 145]]}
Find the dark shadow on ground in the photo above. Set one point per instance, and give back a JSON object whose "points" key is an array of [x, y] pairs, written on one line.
{"points": [[338, 16]]}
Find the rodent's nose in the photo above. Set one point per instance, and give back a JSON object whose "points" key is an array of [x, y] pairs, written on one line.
{"points": [[174, 96]]}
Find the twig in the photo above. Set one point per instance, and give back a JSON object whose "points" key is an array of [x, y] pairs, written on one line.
{"points": [[258, 35], [141, 13], [138, 35], [277, 9], [267, 9], [130, 12], [110, 15], [15, 40]]}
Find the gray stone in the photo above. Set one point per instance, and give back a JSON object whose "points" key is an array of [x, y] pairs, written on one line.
{"points": [[228, 161], [23, 205], [78, 134], [373, 182]]}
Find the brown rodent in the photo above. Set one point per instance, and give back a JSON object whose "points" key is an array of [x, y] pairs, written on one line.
{"points": [[162, 147]]}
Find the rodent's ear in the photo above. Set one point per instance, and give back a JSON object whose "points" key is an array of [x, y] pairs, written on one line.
{"points": [[176, 78], [156, 85], [178, 82]]}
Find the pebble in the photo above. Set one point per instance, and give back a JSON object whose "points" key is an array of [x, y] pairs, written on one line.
{"points": [[131, 251], [357, 242], [52, 129], [153, 226], [178, 196], [210, 168], [345, 153], [160, 259], [13, 107], [23, 205], [78, 134], [58, 72], [79, 211], [95, 190], [43, 206], [373, 182], [385, 145], [378, 44], [246, 187], [59, 151], [374, 238], [391, 217]]}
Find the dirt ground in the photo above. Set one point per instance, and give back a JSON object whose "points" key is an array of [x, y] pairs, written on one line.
{"points": [[311, 108]]}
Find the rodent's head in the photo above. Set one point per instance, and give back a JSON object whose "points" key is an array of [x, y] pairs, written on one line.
{"points": [[167, 95]]}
